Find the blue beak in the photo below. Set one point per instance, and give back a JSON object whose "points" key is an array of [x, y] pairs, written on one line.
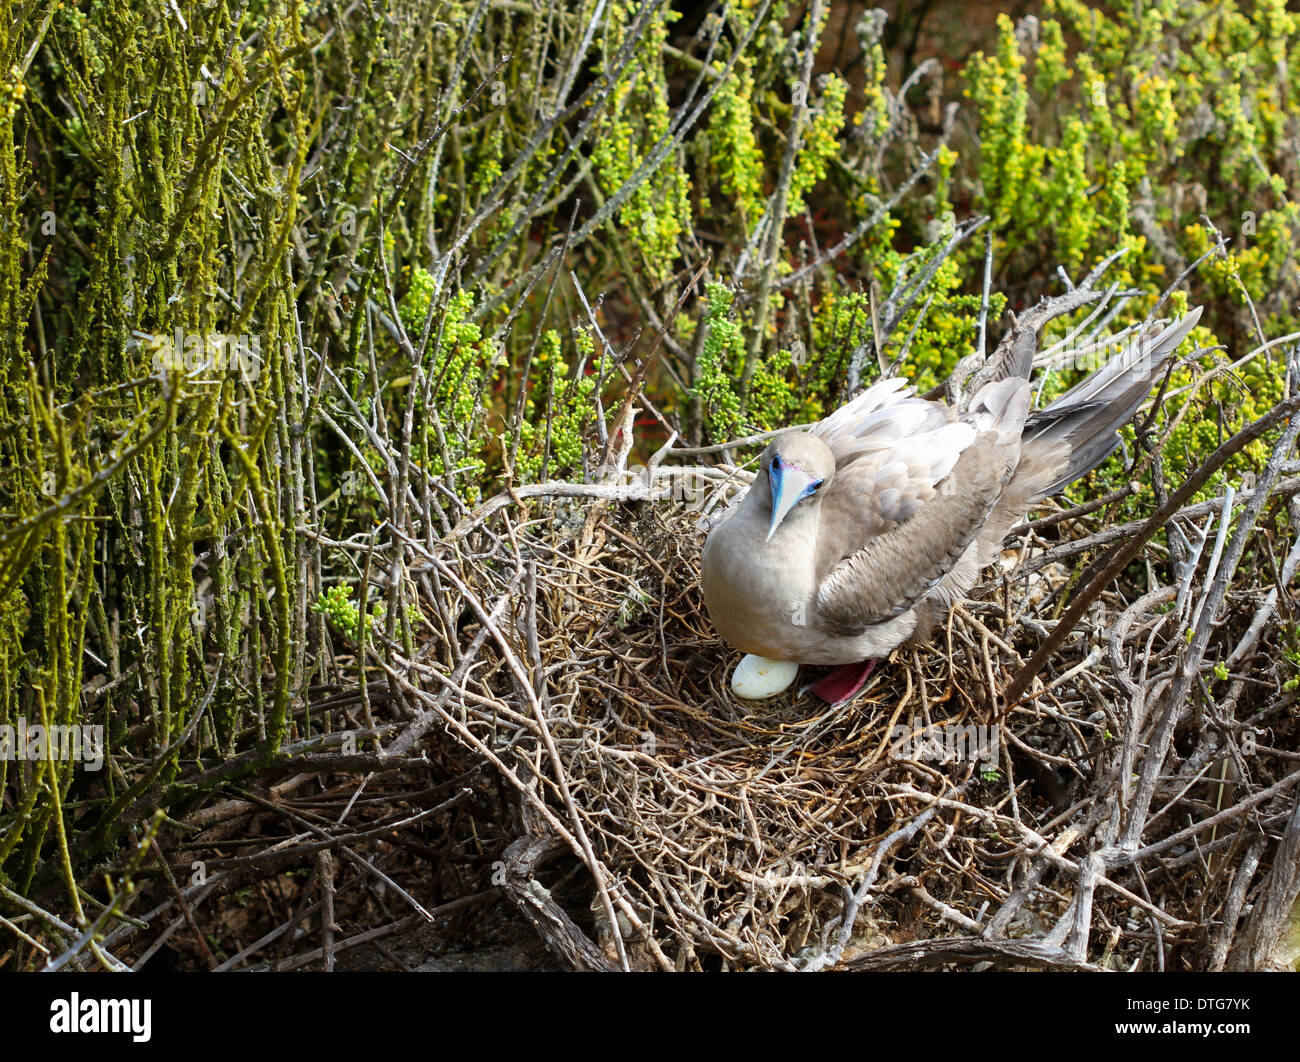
{"points": [[789, 485]]}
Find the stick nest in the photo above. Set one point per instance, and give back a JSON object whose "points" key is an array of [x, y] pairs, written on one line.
{"points": [[922, 824]]}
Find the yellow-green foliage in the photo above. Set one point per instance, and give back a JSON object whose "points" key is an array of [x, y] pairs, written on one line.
{"points": [[558, 409], [658, 211], [720, 364], [337, 606], [771, 392], [774, 388], [842, 322], [1220, 408], [1176, 108], [734, 150], [1060, 170], [464, 368], [344, 614], [820, 144], [874, 115]]}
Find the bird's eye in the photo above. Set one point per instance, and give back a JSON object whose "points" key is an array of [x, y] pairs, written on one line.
{"points": [[776, 461], [812, 487]]}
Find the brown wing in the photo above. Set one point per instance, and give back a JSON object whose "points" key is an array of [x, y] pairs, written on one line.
{"points": [[899, 562]]}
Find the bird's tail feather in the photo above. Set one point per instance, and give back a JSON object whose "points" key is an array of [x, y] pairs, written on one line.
{"points": [[1087, 418]]}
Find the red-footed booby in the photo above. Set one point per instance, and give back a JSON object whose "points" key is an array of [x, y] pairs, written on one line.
{"points": [[861, 532]]}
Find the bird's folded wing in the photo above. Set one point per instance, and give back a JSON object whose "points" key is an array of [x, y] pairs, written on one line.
{"points": [[883, 417], [876, 569]]}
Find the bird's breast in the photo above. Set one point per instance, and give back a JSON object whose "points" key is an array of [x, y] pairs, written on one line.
{"points": [[760, 594]]}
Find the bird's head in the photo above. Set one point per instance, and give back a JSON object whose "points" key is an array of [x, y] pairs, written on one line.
{"points": [[797, 466]]}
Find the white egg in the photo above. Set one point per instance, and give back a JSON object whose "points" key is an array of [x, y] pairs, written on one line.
{"points": [[756, 677]]}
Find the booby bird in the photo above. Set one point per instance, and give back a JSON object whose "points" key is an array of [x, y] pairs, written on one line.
{"points": [[859, 533]]}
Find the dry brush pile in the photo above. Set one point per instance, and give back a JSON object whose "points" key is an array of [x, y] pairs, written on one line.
{"points": [[1141, 814], [1108, 785], [1138, 809]]}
